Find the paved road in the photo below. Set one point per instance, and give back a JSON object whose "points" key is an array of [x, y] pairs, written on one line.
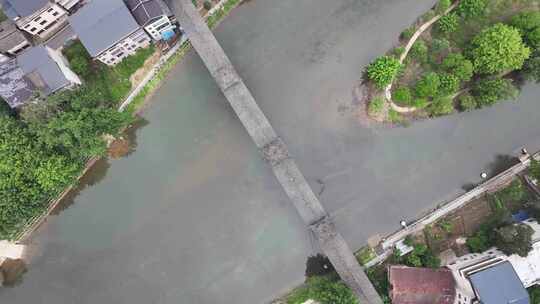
{"points": [[193, 215]]}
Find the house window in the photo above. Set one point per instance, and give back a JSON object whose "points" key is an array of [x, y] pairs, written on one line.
{"points": [[55, 14], [43, 22], [41, 32], [50, 10], [33, 29], [119, 54], [37, 19]]}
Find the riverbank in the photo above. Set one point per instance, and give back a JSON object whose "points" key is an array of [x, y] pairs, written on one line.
{"points": [[137, 102], [444, 62]]}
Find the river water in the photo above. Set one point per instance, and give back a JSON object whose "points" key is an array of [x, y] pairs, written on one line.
{"points": [[194, 216]]}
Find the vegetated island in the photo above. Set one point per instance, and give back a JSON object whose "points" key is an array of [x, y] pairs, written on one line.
{"points": [[459, 56]]}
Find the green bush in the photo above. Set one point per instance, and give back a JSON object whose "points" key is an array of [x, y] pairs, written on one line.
{"points": [[408, 33], [383, 71], [534, 293], [449, 84], [471, 8], [441, 106], [419, 51], [498, 49], [479, 242], [376, 106], [428, 86], [439, 46], [398, 51], [422, 256], [323, 290], [442, 6], [534, 169], [456, 64], [489, 91], [467, 102], [402, 96], [448, 23], [394, 116], [207, 5], [531, 68], [420, 103]]}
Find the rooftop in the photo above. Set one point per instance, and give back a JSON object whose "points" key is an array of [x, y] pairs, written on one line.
{"points": [[102, 23], [42, 70], [146, 10], [10, 36], [499, 285], [25, 8], [15, 87], [421, 285]]}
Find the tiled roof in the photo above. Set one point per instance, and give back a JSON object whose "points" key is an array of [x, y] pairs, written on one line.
{"points": [[25, 8], [145, 10], [101, 24], [499, 285], [10, 36], [40, 67], [15, 88], [421, 285]]}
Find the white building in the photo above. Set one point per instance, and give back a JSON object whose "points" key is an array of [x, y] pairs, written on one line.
{"points": [[108, 31], [476, 273], [39, 18], [154, 16]]}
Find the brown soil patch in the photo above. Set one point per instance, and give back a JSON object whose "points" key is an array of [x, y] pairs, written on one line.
{"points": [[119, 148], [12, 271], [139, 75]]}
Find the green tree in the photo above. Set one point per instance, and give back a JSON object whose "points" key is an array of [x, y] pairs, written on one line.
{"points": [[422, 256], [419, 51], [514, 239], [56, 172], [449, 84], [383, 71], [441, 106], [442, 6], [5, 110], [534, 293], [428, 86], [534, 169], [458, 65], [479, 242], [529, 25], [402, 96], [420, 103], [467, 102], [207, 5], [448, 23], [489, 91], [471, 8], [323, 290], [498, 49]]}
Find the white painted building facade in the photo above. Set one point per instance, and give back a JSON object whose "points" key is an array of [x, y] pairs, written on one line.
{"points": [[44, 22], [124, 48]]}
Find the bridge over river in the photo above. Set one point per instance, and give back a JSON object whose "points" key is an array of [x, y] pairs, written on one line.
{"points": [[195, 216]]}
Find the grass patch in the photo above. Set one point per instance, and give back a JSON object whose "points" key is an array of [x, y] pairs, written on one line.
{"points": [[214, 19], [365, 255], [394, 116]]}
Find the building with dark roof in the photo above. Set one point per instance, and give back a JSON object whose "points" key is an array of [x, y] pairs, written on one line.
{"points": [[15, 88], [39, 18], [37, 69], [12, 41], [411, 285], [154, 16], [108, 31], [499, 285]]}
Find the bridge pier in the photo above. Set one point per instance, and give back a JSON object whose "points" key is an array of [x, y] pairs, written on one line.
{"points": [[274, 151]]}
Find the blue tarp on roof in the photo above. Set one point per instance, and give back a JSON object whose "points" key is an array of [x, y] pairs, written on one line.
{"points": [[499, 285]]}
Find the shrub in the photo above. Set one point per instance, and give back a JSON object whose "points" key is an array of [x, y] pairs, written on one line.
{"points": [[419, 103], [532, 38], [479, 242], [422, 256], [419, 51], [448, 23], [408, 33], [441, 106], [456, 64], [514, 239], [489, 91], [534, 169], [534, 293], [376, 106], [398, 51], [207, 5], [394, 117], [467, 103], [439, 46], [471, 8], [498, 49], [442, 6], [428, 86], [383, 71], [402, 96], [449, 84], [323, 290], [531, 68]]}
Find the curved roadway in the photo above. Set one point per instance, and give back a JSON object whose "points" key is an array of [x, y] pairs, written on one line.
{"points": [[194, 216]]}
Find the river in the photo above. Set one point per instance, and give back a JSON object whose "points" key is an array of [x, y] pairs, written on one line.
{"points": [[193, 216]]}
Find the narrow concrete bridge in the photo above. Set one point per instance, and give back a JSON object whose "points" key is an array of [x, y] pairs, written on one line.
{"points": [[274, 151]]}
